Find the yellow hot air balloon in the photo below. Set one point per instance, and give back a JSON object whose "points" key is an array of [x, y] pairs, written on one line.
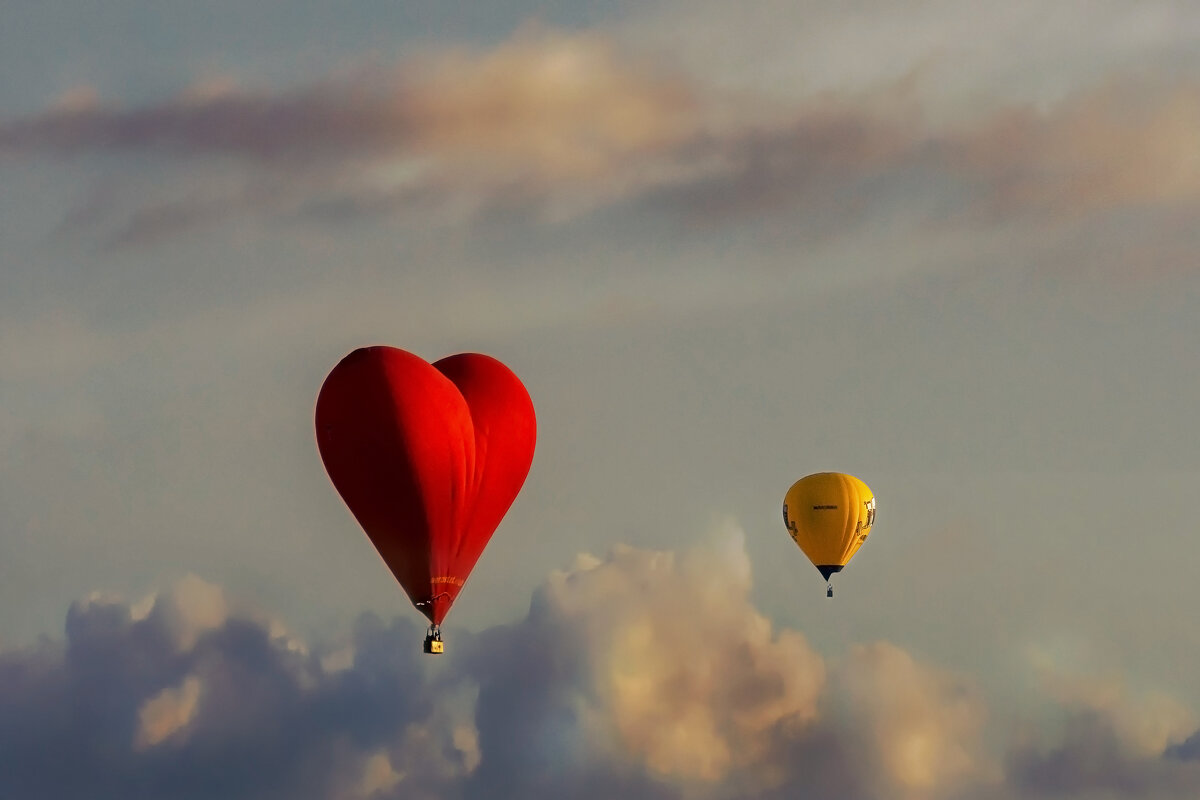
{"points": [[829, 515]]}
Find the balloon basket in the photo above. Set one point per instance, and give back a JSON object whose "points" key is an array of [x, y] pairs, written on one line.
{"points": [[433, 642]]}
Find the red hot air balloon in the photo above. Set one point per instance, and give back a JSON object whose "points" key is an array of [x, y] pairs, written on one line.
{"points": [[428, 457]]}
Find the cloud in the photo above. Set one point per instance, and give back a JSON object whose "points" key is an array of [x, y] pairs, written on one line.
{"points": [[641, 674], [1114, 742], [924, 724], [188, 699], [1092, 760], [1187, 750], [546, 107], [1118, 145], [1121, 143], [543, 110], [552, 125], [566, 105], [255, 125], [973, 54], [656, 662], [166, 713]]}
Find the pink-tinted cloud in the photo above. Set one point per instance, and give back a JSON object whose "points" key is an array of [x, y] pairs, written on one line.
{"points": [[1119, 144], [542, 106], [557, 125], [305, 123], [572, 117]]}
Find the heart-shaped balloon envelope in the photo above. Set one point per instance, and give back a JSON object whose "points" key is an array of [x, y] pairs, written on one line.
{"points": [[428, 457]]}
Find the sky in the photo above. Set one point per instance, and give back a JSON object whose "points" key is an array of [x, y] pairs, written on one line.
{"points": [[948, 247]]}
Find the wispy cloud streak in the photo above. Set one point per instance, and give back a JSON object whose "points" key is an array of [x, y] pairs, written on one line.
{"points": [[559, 125]]}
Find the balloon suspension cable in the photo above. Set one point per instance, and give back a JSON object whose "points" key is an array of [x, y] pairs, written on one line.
{"points": [[429, 602]]}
